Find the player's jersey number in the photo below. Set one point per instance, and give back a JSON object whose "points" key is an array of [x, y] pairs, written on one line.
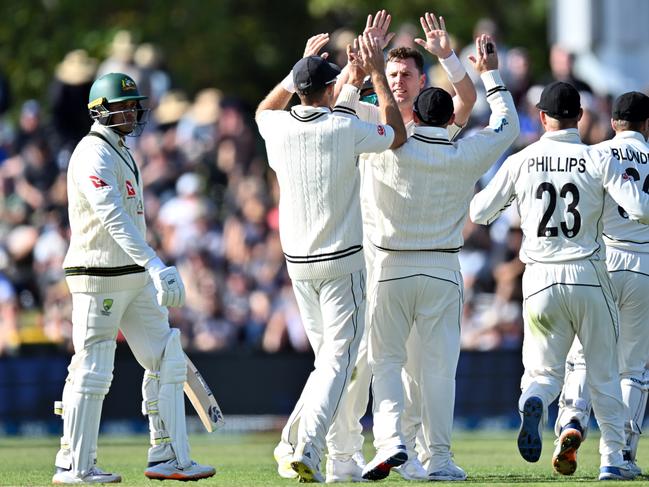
{"points": [[569, 188], [633, 172]]}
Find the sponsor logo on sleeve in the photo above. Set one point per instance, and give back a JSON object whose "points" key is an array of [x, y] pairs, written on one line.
{"points": [[381, 130], [130, 190], [98, 183]]}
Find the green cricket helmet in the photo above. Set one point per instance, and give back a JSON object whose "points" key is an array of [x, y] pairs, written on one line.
{"points": [[113, 88]]}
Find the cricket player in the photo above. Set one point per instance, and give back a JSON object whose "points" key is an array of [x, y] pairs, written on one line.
{"points": [[627, 260], [314, 152], [417, 282], [118, 283], [559, 186], [405, 72]]}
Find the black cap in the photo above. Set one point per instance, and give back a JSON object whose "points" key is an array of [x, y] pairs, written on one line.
{"points": [[313, 73], [560, 100], [632, 107], [434, 106]]}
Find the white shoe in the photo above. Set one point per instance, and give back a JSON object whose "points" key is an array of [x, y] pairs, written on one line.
{"points": [[94, 476], [450, 472], [306, 462], [284, 456], [359, 459], [634, 468], [380, 466], [343, 471], [170, 470], [616, 473], [412, 470]]}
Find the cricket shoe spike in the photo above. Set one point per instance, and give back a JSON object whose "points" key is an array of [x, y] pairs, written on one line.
{"points": [[529, 436], [170, 470], [380, 466], [564, 459], [94, 476], [306, 462]]}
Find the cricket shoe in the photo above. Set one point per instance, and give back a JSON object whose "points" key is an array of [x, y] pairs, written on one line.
{"points": [[306, 463], [380, 466], [626, 454], [359, 459], [343, 471], [94, 476], [616, 473], [564, 459], [170, 470], [450, 472], [284, 456], [412, 470], [529, 436]]}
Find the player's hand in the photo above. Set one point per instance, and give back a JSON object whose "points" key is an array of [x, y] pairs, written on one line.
{"points": [[315, 44], [486, 58], [169, 286], [378, 26], [354, 65], [437, 41], [371, 54]]}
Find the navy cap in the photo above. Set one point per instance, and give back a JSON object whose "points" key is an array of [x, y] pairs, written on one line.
{"points": [[632, 107], [313, 73], [560, 100], [434, 106]]}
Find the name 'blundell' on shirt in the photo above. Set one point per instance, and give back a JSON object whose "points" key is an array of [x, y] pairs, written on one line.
{"points": [[627, 154], [555, 164]]}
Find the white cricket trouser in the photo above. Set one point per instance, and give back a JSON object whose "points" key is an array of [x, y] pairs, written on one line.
{"points": [[96, 318], [430, 299], [332, 312], [561, 301], [629, 272]]}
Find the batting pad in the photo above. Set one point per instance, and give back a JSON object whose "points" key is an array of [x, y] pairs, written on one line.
{"points": [[171, 398]]}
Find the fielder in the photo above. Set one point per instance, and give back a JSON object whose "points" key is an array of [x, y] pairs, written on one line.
{"points": [[627, 260], [559, 185], [314, 153], [118, 282], [406, 79]]}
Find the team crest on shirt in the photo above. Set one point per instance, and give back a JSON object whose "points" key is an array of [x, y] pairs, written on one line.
{"points": [[98, 183], [106, 306], [130, 190], [380, 130]]}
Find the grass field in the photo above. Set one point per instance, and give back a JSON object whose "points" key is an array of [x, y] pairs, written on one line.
{"points": [[490, 458]]}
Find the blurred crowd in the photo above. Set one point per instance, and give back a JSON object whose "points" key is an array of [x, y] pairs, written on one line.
{"points": [[211, 203]]}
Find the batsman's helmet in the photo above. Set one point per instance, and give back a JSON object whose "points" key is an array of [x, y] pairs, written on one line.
{"points": [[113, 88]]}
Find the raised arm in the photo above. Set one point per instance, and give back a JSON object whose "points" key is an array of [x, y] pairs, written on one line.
{"points": [[279, 96], [489, 203], [371, 58], [437, 42]]}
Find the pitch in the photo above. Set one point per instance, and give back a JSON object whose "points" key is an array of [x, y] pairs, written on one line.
{"points": [[489, 457]]}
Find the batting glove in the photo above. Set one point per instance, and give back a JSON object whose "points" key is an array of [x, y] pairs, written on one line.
{"points": [[169, 286]]}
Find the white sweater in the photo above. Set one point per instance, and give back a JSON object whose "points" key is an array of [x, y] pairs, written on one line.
{"points": [[422, 190], [315, 155], [108, 249]]}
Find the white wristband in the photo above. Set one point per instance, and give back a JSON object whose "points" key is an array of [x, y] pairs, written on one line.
{"points": [[287, 83], [453, 68]]}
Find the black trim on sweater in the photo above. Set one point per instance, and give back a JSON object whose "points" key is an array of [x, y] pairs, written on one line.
{"points": [[133, 168], [310, 259], [104, 271]]}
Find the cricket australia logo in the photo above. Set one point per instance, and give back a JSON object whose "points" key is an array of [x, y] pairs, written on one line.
{"points": [[107, 305]]}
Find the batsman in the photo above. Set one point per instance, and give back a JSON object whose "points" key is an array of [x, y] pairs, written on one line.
{"points": [[118, 283]]}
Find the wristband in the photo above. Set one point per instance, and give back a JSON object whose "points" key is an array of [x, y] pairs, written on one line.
{"points": [[287, 83], [453, 68]]}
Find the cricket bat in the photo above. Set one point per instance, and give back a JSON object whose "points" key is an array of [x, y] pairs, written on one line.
{"points": [[201, 397]]}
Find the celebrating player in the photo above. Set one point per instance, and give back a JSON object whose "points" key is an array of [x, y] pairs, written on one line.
{"points": [[627, 260], [118, 282], [559, 185], [314, 153]]}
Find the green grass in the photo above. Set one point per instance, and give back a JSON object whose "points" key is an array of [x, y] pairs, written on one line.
{"points": [[490, 458]]}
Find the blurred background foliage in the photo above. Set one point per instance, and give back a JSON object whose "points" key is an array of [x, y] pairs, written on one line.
{"points": [[242, 46]]}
